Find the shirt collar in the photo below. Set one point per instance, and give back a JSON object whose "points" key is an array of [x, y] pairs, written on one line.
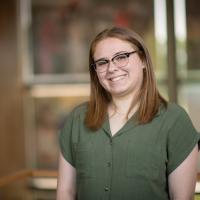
{"points": [[130, 124]]}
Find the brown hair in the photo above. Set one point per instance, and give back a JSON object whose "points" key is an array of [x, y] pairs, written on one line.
{"points": [[149, 98]]}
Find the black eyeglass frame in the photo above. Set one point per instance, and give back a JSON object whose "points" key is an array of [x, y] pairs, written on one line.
{"points": [[112, 60]]}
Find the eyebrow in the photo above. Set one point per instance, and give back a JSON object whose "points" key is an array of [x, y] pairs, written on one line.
{"points": [[118, 53]]}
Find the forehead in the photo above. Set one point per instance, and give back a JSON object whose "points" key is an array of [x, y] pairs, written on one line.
{"points": [[110, 46]]}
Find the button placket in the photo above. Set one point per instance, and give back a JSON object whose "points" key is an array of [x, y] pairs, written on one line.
{"points": [[108, 165], [106, 189]]}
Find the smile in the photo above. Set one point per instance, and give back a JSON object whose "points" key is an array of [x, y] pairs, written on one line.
{"points": [[117, 78]]}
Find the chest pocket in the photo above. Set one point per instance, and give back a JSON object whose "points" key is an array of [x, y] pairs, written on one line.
{"points": [[84, 159], [143, 161]]}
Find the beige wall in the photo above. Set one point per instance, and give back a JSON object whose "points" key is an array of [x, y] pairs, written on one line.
{"points": [[11, 126]]}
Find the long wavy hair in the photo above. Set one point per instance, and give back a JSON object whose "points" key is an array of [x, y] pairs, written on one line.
{"points": [[149, 98]]}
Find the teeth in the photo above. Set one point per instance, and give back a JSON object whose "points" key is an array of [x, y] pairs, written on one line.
{"points": [[117, 78]]}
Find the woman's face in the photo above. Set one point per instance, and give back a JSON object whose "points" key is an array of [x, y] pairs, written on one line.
{"points": [[119, 81]]}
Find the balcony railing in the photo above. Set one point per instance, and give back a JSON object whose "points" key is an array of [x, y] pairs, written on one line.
{"points": [[29, 185]]}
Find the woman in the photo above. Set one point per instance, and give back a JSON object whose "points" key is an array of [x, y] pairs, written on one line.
{"points": [[127, 142]]}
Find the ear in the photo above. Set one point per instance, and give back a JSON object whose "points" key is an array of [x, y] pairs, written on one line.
{"points": [[143, 66]]}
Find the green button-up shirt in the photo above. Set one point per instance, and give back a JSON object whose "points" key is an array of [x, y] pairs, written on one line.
{"points": [[134, 163]]}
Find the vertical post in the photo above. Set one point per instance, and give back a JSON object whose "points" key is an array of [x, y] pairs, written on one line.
{"points": [[171, 52]]}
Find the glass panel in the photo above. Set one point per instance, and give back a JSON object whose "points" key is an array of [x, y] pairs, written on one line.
{"points": [[189, 71], [193, 33], [189, 93], [180, 35], [160, 39], [50, 114], [62, 30], [50, 106]]}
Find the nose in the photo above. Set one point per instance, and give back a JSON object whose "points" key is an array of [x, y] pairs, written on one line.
{"points": [[111, 67]]}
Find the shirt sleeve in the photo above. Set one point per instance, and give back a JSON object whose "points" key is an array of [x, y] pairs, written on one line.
{"points": [[65, 140], [182, 138]]}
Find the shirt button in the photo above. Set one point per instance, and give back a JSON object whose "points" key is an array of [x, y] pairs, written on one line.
{"points": [[108, 164], [106, 189]]}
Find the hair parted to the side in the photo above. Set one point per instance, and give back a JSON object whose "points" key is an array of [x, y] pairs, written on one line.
{"points": [[148, 97]]}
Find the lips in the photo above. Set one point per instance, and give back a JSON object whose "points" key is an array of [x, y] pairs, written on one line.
{"points": [[117, 78]]}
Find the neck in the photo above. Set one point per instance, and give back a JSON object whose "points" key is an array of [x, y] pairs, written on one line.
{"points": [[121, 105]]}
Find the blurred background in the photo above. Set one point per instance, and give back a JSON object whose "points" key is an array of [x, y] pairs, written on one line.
{"points": [[44, 74]]}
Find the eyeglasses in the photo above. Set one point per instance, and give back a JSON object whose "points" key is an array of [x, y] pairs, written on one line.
{"points": [[120, 60]]}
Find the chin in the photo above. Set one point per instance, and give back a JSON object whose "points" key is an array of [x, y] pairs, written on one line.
{"points": [[118, 93]]}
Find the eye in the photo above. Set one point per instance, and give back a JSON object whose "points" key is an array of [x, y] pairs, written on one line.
{"points": [[120, 57], [101, 63]]}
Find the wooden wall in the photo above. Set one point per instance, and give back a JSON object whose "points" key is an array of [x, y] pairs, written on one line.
{"points": [[12, 154]]}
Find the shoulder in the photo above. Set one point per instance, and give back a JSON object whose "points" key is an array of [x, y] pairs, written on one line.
{"points": [[80, 109], [174, 110], [176, 118], [74, 114], [174, 115]]}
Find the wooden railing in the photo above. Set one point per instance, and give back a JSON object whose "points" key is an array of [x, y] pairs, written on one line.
{"points": [[23, 174], [32, 173]]}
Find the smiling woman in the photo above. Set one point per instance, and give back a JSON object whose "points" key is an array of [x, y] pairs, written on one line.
{"points": [[110, 43], [125, 77], [127, 142]]}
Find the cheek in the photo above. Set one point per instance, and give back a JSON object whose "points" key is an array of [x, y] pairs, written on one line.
{"points": [[137, 62], [136, 68], [103, 82], [101, 78]]}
